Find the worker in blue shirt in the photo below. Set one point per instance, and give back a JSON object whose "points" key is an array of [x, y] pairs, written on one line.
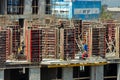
{"points": [[85, 49]]}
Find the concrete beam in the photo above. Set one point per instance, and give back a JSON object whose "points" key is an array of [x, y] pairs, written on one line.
{"points": [[28, 7], [34, 74], [1, 74], [67, 73], [97, 73], [118, 71]]}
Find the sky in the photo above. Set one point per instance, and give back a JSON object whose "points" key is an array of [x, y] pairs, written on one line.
{"points": [[111, 3]]}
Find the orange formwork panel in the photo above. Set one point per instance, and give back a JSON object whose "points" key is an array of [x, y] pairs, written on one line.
{"points": [[8, 43]]}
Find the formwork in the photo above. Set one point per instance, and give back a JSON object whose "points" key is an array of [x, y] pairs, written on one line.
{"points": [[110, 38], [85, 28], [34, 45], [78, 31], [15, 36], [96, 41], [110, 29], [67, 43], [117, 40], [3, 34], [49, 43], [8, 43]]}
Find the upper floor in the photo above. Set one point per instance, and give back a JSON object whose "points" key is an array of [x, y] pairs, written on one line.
{"points": [[21, 7]]}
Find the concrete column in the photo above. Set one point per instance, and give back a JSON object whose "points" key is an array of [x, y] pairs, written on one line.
{"points": [[34, 74], [1, 74], [67, 73], [41, 7], [28, 7], [97, 73], [118, 71]]}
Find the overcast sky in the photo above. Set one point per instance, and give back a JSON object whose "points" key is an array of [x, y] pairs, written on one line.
{"points": [[111, 3]]}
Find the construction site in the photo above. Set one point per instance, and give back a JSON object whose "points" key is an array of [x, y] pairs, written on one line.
{"points": [[39, 46]]}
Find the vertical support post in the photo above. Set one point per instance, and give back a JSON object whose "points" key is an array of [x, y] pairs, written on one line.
{"points": [[118, 71], [67, 73], [28, 7], [1, 74], [34, 74], [97, 73]]}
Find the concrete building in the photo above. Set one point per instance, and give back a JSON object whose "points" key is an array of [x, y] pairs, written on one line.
{"points": [[77, 9], [56, 69], [115, 12]]}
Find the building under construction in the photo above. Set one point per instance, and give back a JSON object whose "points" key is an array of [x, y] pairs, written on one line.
{"points": [[35, 45]]}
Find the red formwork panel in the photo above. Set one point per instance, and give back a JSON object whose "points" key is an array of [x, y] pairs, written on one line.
{"points": [[3, 34], [67, 43], [96, 42], [35, 46], [8, 43], [49, 43]]}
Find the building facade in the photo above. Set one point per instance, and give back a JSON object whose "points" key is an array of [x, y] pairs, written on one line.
{"points": [[69, 9], [77, 9]]}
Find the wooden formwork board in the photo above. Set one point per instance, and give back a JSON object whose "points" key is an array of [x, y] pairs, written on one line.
{"points": [[96, 41], [78, 31], [67, 43], [85, 27], [117, 40], [8, 43], [27, 43], [15, 38], [110, 30], [49, 42]]}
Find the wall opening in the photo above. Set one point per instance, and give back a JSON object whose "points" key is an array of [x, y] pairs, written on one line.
{"points": [[34, 6]]}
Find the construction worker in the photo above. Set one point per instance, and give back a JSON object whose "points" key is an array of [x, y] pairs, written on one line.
{"points": [[85, 49], [60, 23]]}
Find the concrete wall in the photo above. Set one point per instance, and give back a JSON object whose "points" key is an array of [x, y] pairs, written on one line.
{"points": [[97, 73], [41, 7], [28, 7], [118, 71], [67, 73]]}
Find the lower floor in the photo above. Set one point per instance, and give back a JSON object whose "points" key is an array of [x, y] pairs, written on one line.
{"points": [[106, 72]]}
